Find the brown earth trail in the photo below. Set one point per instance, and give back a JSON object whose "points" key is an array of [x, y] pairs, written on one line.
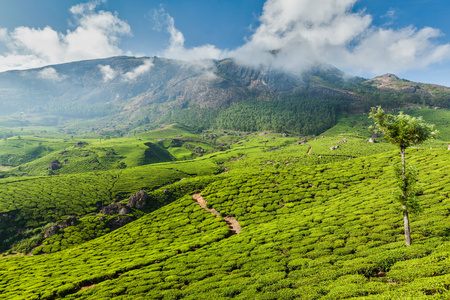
{"points": [[231, 222]]}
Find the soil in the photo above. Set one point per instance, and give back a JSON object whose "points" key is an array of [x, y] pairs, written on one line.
{"points": [[231, 222]]}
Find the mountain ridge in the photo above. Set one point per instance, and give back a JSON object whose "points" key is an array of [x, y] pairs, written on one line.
{"points": [[127, 90]]}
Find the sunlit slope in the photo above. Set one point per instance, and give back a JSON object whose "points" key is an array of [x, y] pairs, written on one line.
{"points": [[174, 229], [358, 124], [320, 232], [35, 201], [30, 155]]}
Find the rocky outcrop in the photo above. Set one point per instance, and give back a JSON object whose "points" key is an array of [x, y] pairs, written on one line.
{"points": [[118, 222], [138, 200], [199, 150], [115, 208], [70, 221]]}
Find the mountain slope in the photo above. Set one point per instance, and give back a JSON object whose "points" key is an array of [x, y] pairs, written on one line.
{"points": [[122, 93]]}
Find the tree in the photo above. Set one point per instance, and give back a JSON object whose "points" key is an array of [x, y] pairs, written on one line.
{"points": [[403, 131]]}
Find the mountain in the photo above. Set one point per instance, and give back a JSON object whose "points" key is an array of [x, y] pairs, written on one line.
{"points": [[129, 91], [390, 83]]}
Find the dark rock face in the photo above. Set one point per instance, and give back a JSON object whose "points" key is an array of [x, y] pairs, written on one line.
{"points": [[54, 165], [51, 231], [115, 208], [118, 222], [70, 221], [138, 200], [199, 150]]}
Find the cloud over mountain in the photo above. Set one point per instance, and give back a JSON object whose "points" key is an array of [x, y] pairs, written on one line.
{"points": [[291, 35]]}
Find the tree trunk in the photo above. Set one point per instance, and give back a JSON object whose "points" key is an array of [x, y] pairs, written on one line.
{"points": [[404, 199], [406, 226], [402, 151]]}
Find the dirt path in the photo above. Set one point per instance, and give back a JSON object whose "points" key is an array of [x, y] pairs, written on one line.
{"points": [[310, 149], [231, 222]]}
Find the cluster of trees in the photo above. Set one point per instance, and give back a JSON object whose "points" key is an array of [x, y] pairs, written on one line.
{"points": [[300, 113]]}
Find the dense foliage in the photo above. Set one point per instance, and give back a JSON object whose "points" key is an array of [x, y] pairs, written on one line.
{"points": [[299, 114]]}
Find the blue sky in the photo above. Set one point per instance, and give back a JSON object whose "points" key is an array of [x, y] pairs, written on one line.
{"points": [[408, 37]]}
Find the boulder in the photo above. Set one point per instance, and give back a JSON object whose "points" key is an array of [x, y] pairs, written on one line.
{"points": [[118, 222], [372, 140], [70, 221], [138, 200], [52, 230], [199, 150], [114, 209]]}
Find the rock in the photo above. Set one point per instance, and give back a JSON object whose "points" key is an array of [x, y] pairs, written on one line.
{"points": [[124, 210], [112, 209], [372, 140], [118, 222], [54, 165], [199, 150], [70, 221], [51, 231], [332, 148], [64, 152], [285, 135], [138, 200]]}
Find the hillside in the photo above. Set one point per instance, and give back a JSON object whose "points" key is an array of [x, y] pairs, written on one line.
{"points": [[155, 179], [318, 232], [116, 95]]}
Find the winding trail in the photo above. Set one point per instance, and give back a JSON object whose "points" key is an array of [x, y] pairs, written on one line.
{"points": [[310, 149], [231, 222]]}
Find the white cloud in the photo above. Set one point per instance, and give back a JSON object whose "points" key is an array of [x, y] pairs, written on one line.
{"points": [[96, 35], [176, 49], [306, 32], [138, 71], [4, 35], [83, 8], [51, 74], [108, 73]]}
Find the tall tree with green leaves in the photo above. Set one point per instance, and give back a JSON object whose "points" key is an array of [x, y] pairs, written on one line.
{"points": [[403, 131]]}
